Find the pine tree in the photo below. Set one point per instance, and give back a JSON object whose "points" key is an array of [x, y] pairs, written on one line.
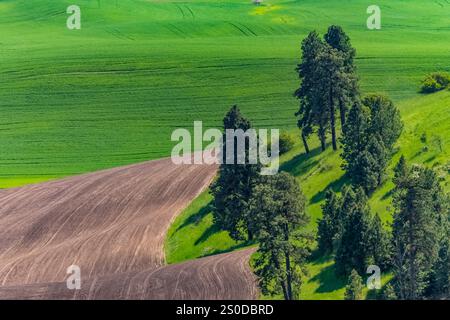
{"points": [[416, 231], [380, 244], [355, 137], [233, 187], [385, 119], [338, 40], [330, 83], [354, 288], [328, 226], [279, 205], [369, 136], [311, 46], [354, 248], [400, 173]]}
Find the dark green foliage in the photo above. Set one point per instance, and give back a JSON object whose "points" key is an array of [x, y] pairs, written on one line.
{"points": [[311, 46], [328, 226], [354, 288], [380, 244], [401, 173], [338, 40], [369, 137], [385, 119], [278, 206], [419, 230], [233, 187], [354, 249], [329, 81], [328, 84], [435, 82], [286, 142]]}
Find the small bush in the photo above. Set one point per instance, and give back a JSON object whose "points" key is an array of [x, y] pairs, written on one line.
{"points": [[286, 142], [435, 82]]}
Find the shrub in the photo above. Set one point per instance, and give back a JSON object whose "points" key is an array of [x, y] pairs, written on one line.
{"points": [[435, 82], [286, 142]]}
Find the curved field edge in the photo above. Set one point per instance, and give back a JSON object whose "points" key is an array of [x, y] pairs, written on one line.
{"points": [[193, 234], [425, 114]]}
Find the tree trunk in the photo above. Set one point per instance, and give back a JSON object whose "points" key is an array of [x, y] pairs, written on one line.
{"points": [[283, 285], [288, 266], [305, 143], [332, 120], [322, 138], [342, 114], [249, 234]]}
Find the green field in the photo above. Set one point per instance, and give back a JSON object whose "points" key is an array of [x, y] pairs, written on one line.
{"points": [[113, 92]]}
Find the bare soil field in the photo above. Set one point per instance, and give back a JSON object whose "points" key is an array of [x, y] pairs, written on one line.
{"points": [[224, 276], [111, 224]]}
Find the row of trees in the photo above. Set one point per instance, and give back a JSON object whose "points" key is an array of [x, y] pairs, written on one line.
{"points": [[416, 247], [329, 91], [267, 209]]}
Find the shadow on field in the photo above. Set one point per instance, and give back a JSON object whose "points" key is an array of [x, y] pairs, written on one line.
{"points": [[233, 248], [336, 186], [302, 163], [196, 218], [327, 279]]}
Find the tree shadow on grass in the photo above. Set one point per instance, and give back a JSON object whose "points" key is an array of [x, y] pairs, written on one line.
{"points": [[302, 163], [388, 194], [207, 233], [336, 186], [197, 217], [327, 279], [238, 246]]}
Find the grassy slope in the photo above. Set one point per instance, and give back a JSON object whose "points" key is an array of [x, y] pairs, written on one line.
{"points": [[111, 93], [425, 114]]}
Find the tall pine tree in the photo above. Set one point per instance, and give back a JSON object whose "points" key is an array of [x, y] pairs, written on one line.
{"points": [[233, 188], [338, 40], [279, 207], [416, 230]]}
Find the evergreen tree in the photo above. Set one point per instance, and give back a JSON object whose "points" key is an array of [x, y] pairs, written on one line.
{"points": [[328, 226], [385, 119], [355, 137], [311, 46], [233, 188], [401, 173], [329, 81], [354, 288], [369, 136], [416, 231], [338, 40], [380, 244], [354, 248], [279, 205]]}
